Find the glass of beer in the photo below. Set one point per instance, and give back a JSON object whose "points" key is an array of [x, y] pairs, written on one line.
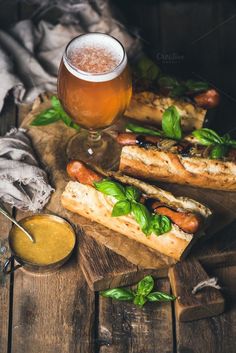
{"points": [[94, 87]]}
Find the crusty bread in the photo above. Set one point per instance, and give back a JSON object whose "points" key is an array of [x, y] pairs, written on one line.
{"points": [[173, 168], [149, 107], [90, 203]]}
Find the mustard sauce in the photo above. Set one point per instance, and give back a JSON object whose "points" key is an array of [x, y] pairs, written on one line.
{"points": [[54, 240]]}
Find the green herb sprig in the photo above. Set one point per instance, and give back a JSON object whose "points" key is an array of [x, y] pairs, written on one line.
{"points": [[220, 144], [128, 202], [171, 128], [178, 88], [53, 114], [147, 70], [171, 125], [141, 295], [143, 130]]}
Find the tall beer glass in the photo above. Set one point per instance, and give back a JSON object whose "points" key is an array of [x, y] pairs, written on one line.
{"points": [[94, 87]]}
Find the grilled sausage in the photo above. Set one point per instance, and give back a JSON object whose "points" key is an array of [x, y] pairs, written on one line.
{"points": [[208, 99], [128, 139], [187, 221], [79, 172]]}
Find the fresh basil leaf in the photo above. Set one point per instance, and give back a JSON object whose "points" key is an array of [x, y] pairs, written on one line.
{"points": [[111, 188], [121, 208], [207, 137], [171, 123], [232, 143], [147, 69], [196, 86], [145, 286], [160, 297], [226, 138], [75, 126], [160, 224], [168, 82], [143, 130], [140, 300], [54, 114], [56, 104], [219, 151], [141, 215], [118, 293], [178, 91], [66, 119], [132, 193], [228, 141], [47, 117]]}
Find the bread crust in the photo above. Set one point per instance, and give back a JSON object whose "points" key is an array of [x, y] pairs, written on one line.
{"points": [[149, 107], [90, 203], [154, 164]]}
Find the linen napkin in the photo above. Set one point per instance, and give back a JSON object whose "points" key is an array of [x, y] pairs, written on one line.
{"points": [[23, 183]]}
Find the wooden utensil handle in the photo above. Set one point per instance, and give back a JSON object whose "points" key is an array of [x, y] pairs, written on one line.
{"points": [[184, 276]]}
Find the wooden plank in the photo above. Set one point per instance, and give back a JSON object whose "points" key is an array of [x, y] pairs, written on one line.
{"points": [[8, 115], [184, 276], [5, 282], [26, 10], [148, 25], [227, 279], [53, 312], [104, 269], [220, 250], [7, 120], [8, 13], [224, 14], [126, 328], [215, 335]]}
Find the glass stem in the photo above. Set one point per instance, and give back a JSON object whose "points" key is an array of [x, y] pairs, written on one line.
{"points": [[94, 138]]}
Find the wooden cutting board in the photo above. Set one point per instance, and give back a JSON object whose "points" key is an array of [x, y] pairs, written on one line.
{"points": [[108, 258]]}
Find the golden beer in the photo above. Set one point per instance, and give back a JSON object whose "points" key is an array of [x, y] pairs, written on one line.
{"points": [[94, 87], [94, 82]]}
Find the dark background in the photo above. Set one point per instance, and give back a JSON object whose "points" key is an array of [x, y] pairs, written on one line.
{"points": [[190, 39]]}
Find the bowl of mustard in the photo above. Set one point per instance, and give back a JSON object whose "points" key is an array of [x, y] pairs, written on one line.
{"points": [[54, 242]]}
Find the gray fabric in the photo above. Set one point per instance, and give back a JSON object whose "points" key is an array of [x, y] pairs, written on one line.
{"points": [[22, 183], [30, 55]]}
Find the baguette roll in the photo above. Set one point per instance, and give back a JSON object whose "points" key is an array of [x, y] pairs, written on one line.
{"points": [[165, 166], [148, 107], [93, 204]]}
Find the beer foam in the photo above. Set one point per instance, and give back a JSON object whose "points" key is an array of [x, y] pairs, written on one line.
{"points": [[95, 57]]}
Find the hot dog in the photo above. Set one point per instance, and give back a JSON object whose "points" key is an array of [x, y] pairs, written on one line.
{"points": [[184, 147], [187, 217], [149, 107], [177, 161], [187, 221]]}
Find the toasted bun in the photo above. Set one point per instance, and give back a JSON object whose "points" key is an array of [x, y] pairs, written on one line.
{"points": [[149, 107], [90, 203], [173, 168]]}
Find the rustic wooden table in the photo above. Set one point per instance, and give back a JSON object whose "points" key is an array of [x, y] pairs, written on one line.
{"points": [[59, 313]]}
